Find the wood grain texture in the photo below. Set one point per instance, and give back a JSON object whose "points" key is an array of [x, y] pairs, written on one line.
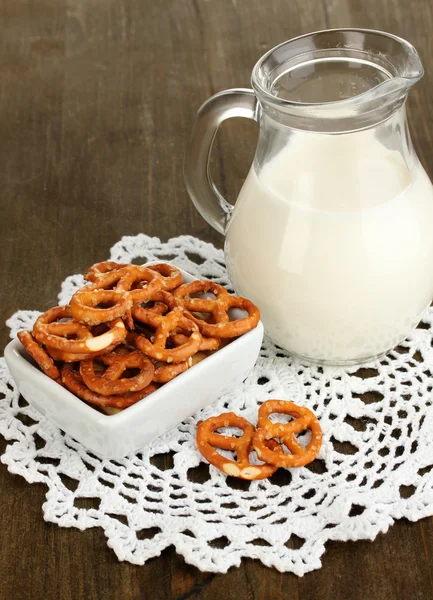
{"points": [[97, 99]]}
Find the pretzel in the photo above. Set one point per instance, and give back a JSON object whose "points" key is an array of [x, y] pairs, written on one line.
{"points": [[62, 356], [206, 344], [84, 304], [266, 430], [52, 332], [128, 320], [172, 277], [39, 355], [114, 288], [158, 307], [165, 325], [110, 381], [162, 302], [101, 268], [219, 307], [207, 441], [74, 382], [147, 283], [165, 372]]}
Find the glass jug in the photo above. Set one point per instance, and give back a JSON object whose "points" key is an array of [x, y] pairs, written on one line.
{"points": [[332, 232]]}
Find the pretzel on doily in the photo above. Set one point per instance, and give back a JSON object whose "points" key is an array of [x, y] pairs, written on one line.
{"points": [[286, 432], [75, 384], [110, 381], [164, 326], [218, 307], [53, 332], [119, 288], [208, 440], [39, 355]]}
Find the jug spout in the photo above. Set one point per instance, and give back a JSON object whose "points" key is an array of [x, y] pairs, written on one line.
{"points": [[336, 80], [404, 69]]}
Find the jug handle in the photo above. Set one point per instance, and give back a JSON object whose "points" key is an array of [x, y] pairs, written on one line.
{"points": [[203, 192]]}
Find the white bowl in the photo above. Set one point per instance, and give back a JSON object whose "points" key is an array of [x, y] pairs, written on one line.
{"points": [[115, 436]]}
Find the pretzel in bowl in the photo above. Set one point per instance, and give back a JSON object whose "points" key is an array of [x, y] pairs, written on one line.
{"points": [[286, 432], [74, 383], [179, 338], [164, 326], [62, 356], [110, 381], [165, 372], [39, 355], [52, 330], [113, 293], [101, 268], [218, 307], [208, 440], [171, 276]]}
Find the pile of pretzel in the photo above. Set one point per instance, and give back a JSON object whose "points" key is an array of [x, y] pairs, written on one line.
{"points": [[131, 329], [269, 440]]}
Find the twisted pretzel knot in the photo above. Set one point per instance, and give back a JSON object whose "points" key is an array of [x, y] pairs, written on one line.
{"points": [[119, 288], [164, 326], [171, 276], [208, 440], [207, 344], [63, 356], [110, 381], [285, 432], [218, 307], [51, 331], [164, 372], [74, 382], [101, 268]]}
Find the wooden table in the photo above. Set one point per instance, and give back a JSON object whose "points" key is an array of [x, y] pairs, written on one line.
{"points": [[97, 99]]}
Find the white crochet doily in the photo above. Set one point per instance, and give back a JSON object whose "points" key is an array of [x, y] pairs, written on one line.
{"points": [[375, 466]]}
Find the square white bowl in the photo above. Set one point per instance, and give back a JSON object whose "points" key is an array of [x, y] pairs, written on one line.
{"points": [[115, 436]]}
